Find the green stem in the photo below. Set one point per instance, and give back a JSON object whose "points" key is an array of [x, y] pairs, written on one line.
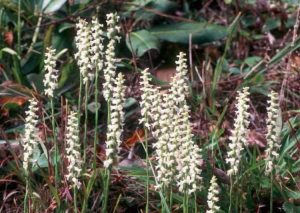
{"points": [[230, 194], [106, 190], [55, 143], [19, 27], [185, 203], [26, 196], [85, 121], [147, 168], [171, 197], [271, 193], [79, 99], [96, 119], [195, 202], [75, 199]]}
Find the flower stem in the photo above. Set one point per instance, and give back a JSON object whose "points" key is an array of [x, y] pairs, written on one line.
{"points": [[96, 119], [85, 121], [79, 99], [106, 190], [26, 206], [75, 199], [147, 169], [55, 143], [230, 194], [271, 192]]}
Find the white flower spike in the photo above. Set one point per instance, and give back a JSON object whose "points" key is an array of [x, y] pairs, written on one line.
{"points": [[73, 150], [51, 73], [31, 140], [239, 134], [274, 125], [115, 125], [212, 197]]}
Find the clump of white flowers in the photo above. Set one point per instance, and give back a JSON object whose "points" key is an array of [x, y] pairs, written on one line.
{"points": [[113, 31], [73, 150], [30, 141], [115, 123], [97, 44], [238, 136], [83, 44], [167, 115], [51, 73], [274, 125], [188, 156], [212, 197]]}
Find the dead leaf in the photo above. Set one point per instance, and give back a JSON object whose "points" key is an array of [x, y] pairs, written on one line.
{"points": [[165, 74], [136, 137], [19, 100]]}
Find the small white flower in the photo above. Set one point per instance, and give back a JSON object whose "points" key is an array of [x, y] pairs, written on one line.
{"points": [[115, 125], [51, 73], [188, 156], [83, 43], [97, 48], [274, 125], [212, 197], [73, 150], [110, 56], [30, 140], [239, 133]]}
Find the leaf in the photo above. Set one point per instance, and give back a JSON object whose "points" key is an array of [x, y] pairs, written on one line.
{"points": [[19, 100], [138, 6], [53, 5], [142, 41], [290, 208], [202, 32]]}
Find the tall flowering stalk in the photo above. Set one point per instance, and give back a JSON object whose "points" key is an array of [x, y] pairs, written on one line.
{"points": [[50, 84], [73, 154], [238, 136], [98, 62], [188, 159], [149, 95], [114, 131], [212, 197], [113, 31], [30, 143], [83, 40], [274, 125]]}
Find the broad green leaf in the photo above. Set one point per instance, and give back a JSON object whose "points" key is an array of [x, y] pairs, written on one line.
{"points": [[138, 6], [142, 41], [53, 5], [202, 32]]}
